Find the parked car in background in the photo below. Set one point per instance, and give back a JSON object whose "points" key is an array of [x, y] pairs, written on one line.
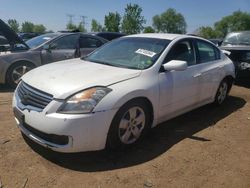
{"points": [[3, 40], [108, 35], [27, 36], [22, 56], [217, 42], [112, 97], [238, 44], [4, 44]]}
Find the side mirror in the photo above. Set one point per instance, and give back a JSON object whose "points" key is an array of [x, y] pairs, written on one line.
{"points": [[49, 47], [46, 47], [175, 65]]}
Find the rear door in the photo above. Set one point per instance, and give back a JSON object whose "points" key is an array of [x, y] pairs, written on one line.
{"points": [[210, 66], [60, 49]]}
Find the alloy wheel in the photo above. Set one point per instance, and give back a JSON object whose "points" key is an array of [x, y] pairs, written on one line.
{"points": [[132, 125]]}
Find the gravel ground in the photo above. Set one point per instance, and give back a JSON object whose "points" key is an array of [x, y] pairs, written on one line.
{"points": [[208, 147]]}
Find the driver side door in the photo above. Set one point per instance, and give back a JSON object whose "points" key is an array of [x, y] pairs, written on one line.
{"points": [[61, 49], [179, 90]]}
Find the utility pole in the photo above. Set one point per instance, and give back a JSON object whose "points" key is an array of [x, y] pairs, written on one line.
{"points": [[83, 18], [70, 16]]}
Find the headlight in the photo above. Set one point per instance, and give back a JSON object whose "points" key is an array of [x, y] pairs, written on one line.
{"points": [[244, 65], [84, 101]]}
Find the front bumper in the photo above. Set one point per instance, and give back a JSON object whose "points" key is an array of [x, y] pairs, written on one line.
{"points": [[85, 132]]}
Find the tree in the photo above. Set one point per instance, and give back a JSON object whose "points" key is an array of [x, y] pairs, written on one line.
{"points": [[148, 29], [170, 22], [81, 27], [238, 21], [133, 20], [207, 32], [70, 26], [13, 25], [27, 27], [95, 26], [112, 22], [39, 28]]}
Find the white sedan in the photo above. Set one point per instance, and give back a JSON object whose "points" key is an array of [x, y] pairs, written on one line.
{"points": [[112, 97]]}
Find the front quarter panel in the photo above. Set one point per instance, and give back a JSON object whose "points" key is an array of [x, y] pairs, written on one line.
{"points": [[122, 92], [9, 59]]}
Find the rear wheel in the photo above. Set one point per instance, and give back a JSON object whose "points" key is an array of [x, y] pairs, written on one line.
{"points": [[16, 71], [222, 92], [129, 125]]}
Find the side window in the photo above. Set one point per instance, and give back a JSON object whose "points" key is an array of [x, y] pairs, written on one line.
{"points": [[87, 42], [66, 42], [183, 51], [207, 52]]}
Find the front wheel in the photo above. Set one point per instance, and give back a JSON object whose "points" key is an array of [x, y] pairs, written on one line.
{"points": [[222, 92], [129, 125], [15, 73]]}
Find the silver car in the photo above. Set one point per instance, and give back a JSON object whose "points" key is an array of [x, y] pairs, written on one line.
{"points": [[19, 57]]}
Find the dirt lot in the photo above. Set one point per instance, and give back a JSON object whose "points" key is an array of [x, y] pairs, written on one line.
{"points": [[208, 147]]}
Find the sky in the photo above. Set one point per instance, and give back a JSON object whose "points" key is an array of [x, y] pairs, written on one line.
{"points": [[54, 13]]}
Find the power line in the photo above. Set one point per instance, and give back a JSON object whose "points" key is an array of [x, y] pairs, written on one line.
{"points": [[70, 16], [83, 18]]}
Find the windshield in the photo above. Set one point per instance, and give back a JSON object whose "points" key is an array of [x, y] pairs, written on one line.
{"points": [[37, 41], [241, 38], [129, 52]]}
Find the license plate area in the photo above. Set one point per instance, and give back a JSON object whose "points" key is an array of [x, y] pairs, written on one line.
{"points": [[19, 115]]}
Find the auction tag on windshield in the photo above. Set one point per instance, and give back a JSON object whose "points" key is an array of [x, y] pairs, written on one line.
{"points": [[145, 52]]}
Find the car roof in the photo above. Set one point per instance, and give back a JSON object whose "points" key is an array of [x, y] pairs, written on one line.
{"points": [[168, 36]]}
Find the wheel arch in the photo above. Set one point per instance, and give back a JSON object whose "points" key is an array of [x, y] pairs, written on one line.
{"points": [[15, 64], [18, 62], [230, 81], [148, 103]]}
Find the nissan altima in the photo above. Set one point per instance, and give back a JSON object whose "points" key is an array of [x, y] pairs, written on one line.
{"points": [[112, 97]]}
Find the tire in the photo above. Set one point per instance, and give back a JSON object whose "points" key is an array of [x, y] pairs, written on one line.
{"points": [[130, 125], [16, 71], [222, 92]]}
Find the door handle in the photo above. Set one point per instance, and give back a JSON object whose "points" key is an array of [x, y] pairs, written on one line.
{"points": [[197, 75]]}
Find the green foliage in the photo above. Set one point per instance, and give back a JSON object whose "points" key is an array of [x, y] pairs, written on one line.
{"points": [[238, 21], [81, 28], [95, 26], [27, 27], [170, 22], [112, 22], [148, 29], [70, 26], [132, 20], [39, 28], [208, 32], [13, 25], [30, 27]]}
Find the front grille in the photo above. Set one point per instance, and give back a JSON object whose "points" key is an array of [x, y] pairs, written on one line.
{"points": [[30, 96], [56, 139]]}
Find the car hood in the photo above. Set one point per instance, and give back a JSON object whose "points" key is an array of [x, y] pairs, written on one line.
{"points": [[10, 35], [65, 78]]}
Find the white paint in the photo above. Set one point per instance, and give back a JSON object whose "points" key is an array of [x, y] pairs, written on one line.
{"points": [[171, 93]]}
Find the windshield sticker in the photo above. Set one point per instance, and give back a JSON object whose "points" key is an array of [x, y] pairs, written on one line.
{"points": [[145, 52], [46, 38]]}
